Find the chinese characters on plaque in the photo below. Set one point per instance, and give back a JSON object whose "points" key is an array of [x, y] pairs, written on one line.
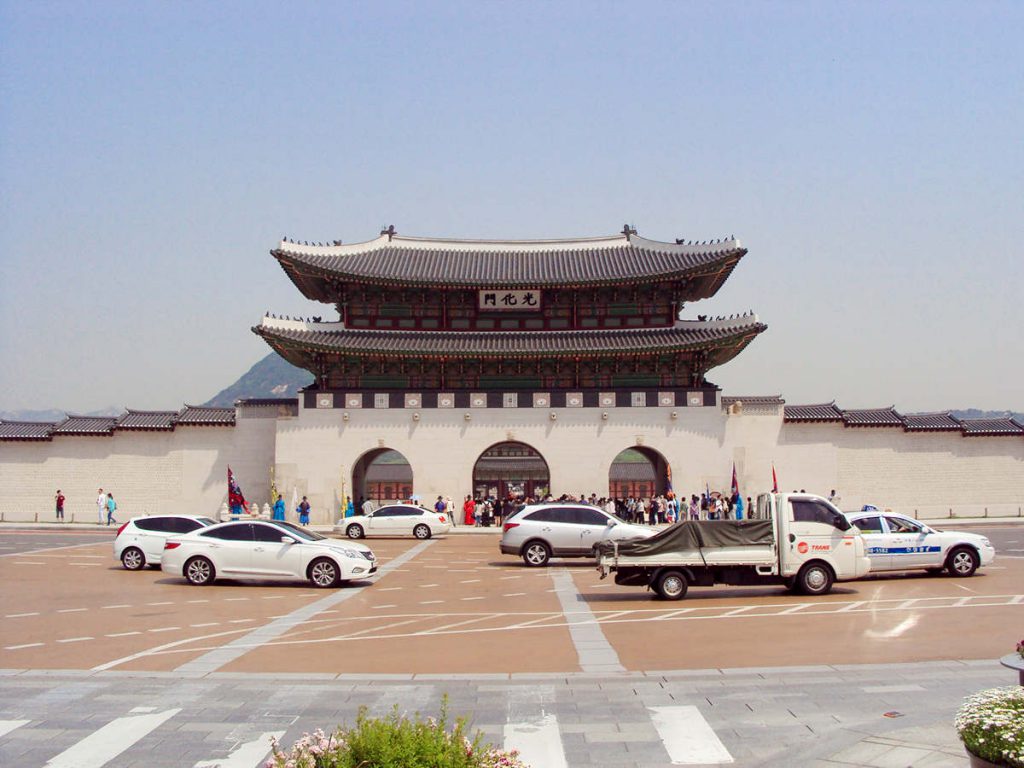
{"points": [[520, 301]]}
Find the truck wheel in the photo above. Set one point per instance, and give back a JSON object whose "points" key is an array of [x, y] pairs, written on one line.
{"points": [[815, 579], [671, 585], [962, 561]]}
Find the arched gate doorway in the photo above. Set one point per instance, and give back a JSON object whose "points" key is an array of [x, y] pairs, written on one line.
{"points": [[383, 475], [638, 472], [511, 469]]}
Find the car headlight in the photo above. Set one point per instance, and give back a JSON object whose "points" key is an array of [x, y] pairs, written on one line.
{"points": [[985, 542], [353, 553]]}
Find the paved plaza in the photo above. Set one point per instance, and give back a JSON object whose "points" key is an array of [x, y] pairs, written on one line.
{"points": [[108, 667]]}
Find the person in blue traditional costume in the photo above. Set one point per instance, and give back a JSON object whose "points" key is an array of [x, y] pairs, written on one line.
{"points": [[279, 508]]}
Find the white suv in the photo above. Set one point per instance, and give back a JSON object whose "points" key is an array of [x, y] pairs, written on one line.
{"points": [[140, 541], [542, 531]]}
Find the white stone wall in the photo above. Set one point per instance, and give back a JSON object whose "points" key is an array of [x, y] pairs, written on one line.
{"points": [[184, 471], [930, 475]]}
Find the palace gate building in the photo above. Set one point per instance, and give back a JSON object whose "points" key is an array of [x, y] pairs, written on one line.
{"points": [[449, 367]]}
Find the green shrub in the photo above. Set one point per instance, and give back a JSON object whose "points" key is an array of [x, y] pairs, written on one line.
{"points": [[395, 741], [991, 725]]}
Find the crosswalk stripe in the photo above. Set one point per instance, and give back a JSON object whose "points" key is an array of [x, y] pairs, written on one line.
{"points": [[687, 737], [6, 726], [102, 746], [539, 742], [245, 755]]}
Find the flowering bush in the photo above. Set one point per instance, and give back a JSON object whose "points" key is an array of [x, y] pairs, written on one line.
{"points": [[395, 742], [991, 725]]}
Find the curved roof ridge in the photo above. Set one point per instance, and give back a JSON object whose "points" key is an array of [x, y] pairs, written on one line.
{"points": [[542, 245]]}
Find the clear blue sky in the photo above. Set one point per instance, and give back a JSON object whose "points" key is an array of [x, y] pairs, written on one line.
{"points": [[870, 156]]}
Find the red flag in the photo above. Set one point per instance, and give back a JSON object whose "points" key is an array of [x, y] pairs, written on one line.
{"points": [[775, 481], [735, 485], [235, 496]]}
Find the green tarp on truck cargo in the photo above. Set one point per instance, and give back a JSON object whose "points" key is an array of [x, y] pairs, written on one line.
{"points": [[696, 534]]}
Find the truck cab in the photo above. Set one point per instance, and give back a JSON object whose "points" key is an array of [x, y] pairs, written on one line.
{"points": [[815, 540]]}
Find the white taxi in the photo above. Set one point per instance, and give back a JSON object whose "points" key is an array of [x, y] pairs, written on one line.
{"points": [[898, 543]]}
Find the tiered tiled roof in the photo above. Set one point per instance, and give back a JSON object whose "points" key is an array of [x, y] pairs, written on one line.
{"points": [[411, 261], [86, 425], [148, 420], [335, 337], [728, 400], [199, 416], [26, 430], [942, 421], [812, 413], [1004, 426], [872, 417]]}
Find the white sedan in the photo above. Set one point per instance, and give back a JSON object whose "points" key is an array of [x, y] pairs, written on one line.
{"points": [[898, 543], [265, 550], [395, 520]]}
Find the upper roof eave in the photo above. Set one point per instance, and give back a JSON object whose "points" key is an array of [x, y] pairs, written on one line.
{"points": [[422, 262]]}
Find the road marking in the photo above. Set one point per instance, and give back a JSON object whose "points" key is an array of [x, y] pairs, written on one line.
{"points": [[205, 624], [674, 613], [71, 610], [388, 589], [273, 597], [514, 594], [75, 639], [1017, 600], [87, 565], [163, 629], [592, 647], [430, 602], [389, 605], [966, 589], [905, 604], [19, 647], [891, 688], [123, 634], [20, 615], [737, 611], [197, 601], [794, 609], [964, 600], [168, 602], [424, 586], [245, 755], [851, 607], [52, 549], [26, 562], [226, 600], [687, 737], [218, 657], [6, 726], [122, 605], [100, 747], [469, 581], [539, 742], [443, 627], [239, 621], [480, 597]]}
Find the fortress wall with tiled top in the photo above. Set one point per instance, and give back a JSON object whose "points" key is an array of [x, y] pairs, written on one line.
{"points": [[184, 471]]}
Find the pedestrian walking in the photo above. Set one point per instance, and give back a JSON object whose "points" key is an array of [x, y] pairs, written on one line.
{"points": [[451, 511], [101, 507], [60, 505], [111, 508]]}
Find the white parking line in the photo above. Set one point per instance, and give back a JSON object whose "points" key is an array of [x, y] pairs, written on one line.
{"points": [[121, 605], [19, 647], [20, 615], [480, 597], [514, 594], [246, 755], [795, 608], [539, 742], [430, 602], [205, 624], [100, 747], [72, 610], [389, 605], [469, 581], [165, 602], [6, 726], [75, 639], [424, 586], [687, 737], [163, 629]]}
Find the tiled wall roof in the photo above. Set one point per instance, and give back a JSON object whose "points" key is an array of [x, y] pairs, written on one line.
{"points": [[941, 421], [86, 425], [199, 416], [872, 417], [1005, 426], [148, 420], [808, 413], [26, 430]]}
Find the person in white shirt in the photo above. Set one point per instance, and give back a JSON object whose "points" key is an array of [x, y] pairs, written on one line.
{"points": [[101, 507]]}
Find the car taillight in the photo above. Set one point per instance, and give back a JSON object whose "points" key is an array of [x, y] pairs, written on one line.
{"points": [[123, 526], [172, 544], [508, 527]]}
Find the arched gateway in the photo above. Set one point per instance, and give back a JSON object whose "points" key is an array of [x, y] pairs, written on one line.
{"points": [[511, 469], [383, 475], [639, 472]]}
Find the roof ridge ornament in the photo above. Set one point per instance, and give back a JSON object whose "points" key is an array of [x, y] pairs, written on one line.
{"points": [[390, 232], [627, 230]]}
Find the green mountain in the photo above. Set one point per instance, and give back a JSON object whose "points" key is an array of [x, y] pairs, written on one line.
{"points": [[272, 376]]}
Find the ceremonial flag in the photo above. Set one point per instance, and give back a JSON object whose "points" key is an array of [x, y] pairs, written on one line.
{"points": [[735, 485], [236, 500], [668, 480], [775, 480]]}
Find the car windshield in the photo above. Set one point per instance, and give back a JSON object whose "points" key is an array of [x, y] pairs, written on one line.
{"points": [[302, 533]]}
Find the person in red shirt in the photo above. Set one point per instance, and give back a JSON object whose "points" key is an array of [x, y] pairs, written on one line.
{"points": [[469, 511], [60, 505]]}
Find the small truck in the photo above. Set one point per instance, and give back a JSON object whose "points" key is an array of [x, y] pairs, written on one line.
{"points": [[795, 539]]}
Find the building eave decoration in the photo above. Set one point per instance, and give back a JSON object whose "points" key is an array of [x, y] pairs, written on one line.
{"points": [[393, 260]]}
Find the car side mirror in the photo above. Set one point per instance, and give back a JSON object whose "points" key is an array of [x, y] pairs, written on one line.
{"points": [[611, 523], [287, 540]]}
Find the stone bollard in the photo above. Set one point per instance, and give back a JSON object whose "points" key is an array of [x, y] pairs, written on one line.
{"points": [[266, 511], [222, 515]]}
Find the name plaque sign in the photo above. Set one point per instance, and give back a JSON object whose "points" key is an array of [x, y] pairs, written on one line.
{"points": [[504, 301]]}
